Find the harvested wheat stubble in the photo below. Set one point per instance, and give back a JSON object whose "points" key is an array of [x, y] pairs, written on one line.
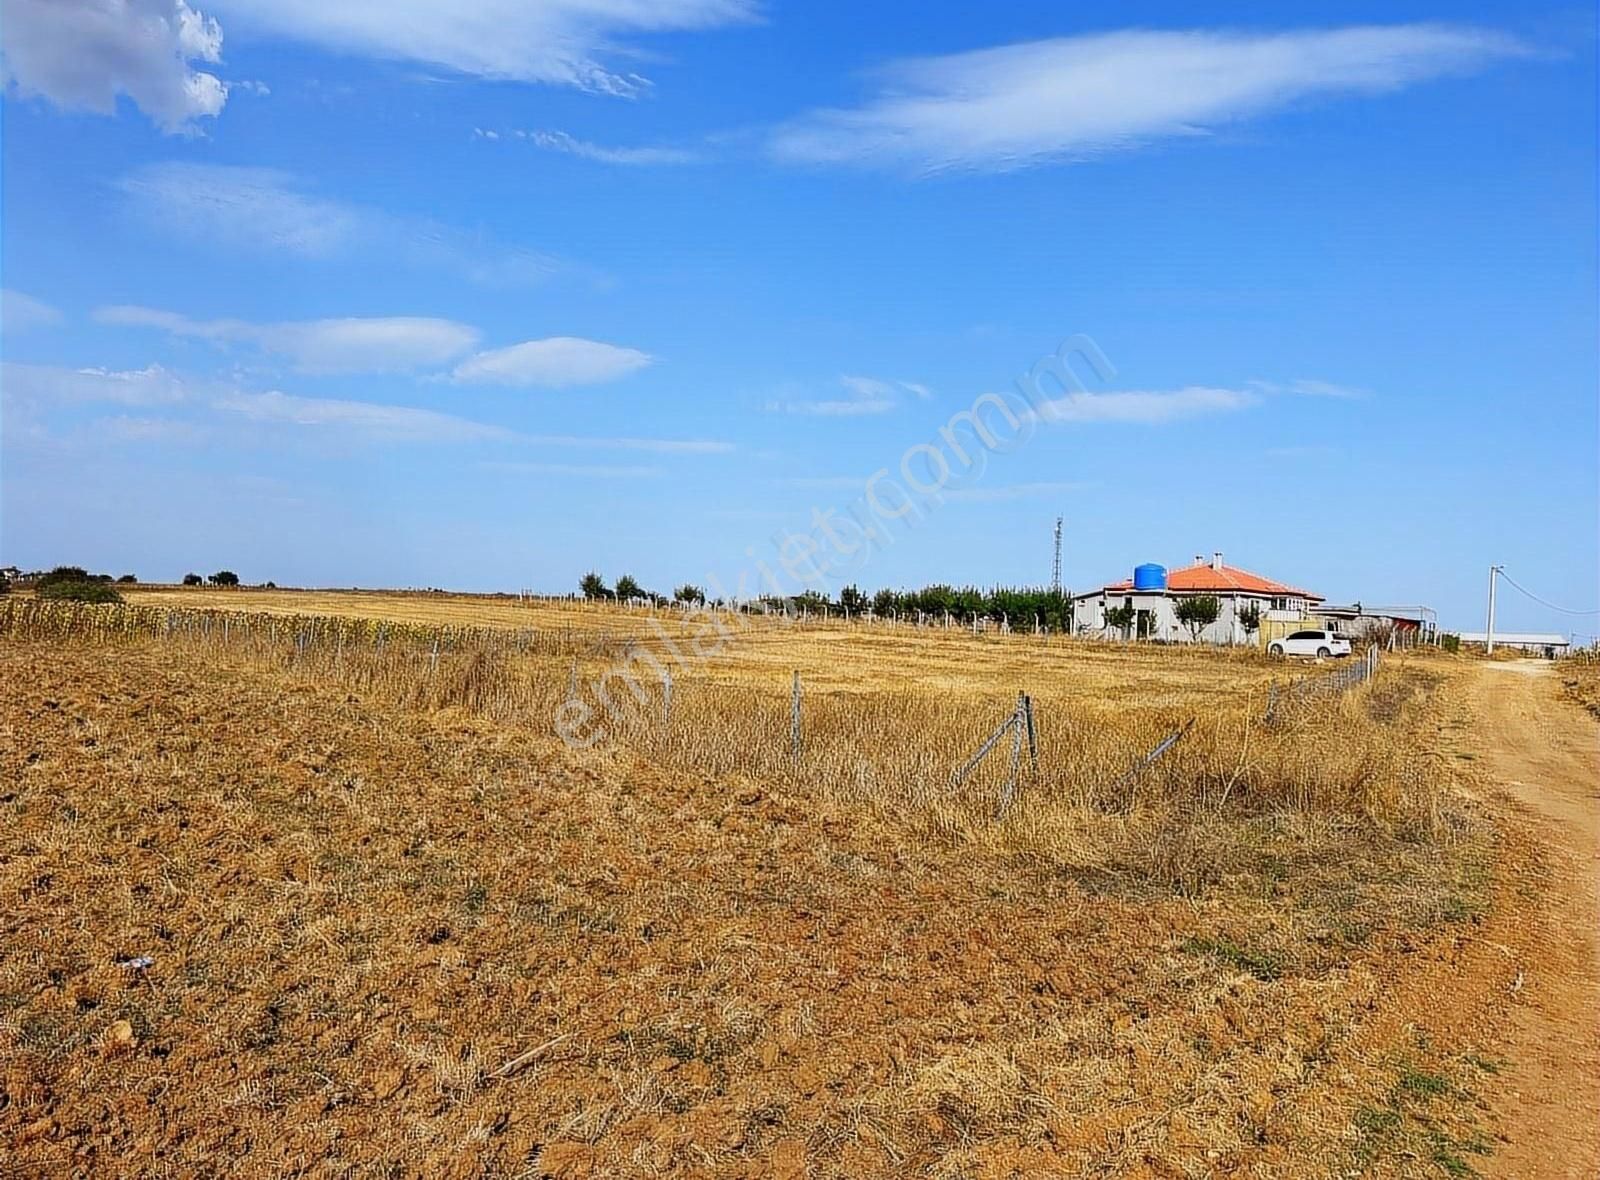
{"points": [[388, 940]]}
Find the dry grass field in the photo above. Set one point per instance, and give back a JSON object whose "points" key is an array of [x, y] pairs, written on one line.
{"points": [[346, 905]]}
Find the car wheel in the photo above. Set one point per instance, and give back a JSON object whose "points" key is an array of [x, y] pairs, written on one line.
{"points": [[1275, 650], [1323, 653]]}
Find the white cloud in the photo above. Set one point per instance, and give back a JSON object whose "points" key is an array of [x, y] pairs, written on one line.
{"points": [[379, 422], [824, 483], [560, 141], [1311, 389], [578, 470], [836, 408], [46, 385], [22, 313], [554, 362], [373, 344], [206, 206], [132, 429], [32, 391], [1073, 97], [1008, 492], [565, 42], [868, 395], [1150, 408], [658, 446], [82, 54]]}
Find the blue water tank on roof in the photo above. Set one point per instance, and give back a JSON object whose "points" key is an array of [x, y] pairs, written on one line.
{"points": [[1150, 577]]}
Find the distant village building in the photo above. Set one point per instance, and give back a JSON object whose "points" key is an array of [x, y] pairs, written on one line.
{"points": [[1539, 643], [1408, 625], [1154, 593]]}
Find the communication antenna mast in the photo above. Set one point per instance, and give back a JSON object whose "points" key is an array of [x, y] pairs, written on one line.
{"points": [[1055, 572]]}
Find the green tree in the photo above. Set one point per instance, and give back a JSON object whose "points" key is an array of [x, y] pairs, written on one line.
{"points": [[1122, 618], [1199, 612], [224, 578], [1250, 618], [689, 594], [86, 590], [628, 589], [127, 579], [62, 573], [193, 580], [593, 586], [853, 600]]}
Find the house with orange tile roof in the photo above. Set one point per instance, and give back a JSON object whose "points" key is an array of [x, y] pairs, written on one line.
{"points": [[1153, 594]]}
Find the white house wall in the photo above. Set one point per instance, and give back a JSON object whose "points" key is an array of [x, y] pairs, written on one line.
{"points": [[1163, 608]]}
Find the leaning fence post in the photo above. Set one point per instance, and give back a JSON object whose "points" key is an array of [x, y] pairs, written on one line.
{"points": [[1033, 733], [1008, 792], [666, 698], [794, 718]]}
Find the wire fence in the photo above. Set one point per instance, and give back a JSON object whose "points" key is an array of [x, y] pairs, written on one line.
{"points": [[908, 743]]}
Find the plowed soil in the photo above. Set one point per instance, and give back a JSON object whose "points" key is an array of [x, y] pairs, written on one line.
{"points": [[259, 926]]}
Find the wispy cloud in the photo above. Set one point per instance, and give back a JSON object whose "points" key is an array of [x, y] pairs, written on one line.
{"points": [[1307, 388], [33, 392], [373, 344], [44, 385], [82, 56], [23, 313], [564, 42], [381, 422], [578, 470], [263, 210], [1147, 407], [1006, 492], [555, 362], [658, 446], [823, 483], [560, 141], [1074, 97], [867, 395]]}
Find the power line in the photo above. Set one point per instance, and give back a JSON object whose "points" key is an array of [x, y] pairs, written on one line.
{"points": [[1542, 601]]}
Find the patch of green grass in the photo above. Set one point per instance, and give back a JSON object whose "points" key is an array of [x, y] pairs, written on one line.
{"points": [[1422, 1084], [1264, 965]]}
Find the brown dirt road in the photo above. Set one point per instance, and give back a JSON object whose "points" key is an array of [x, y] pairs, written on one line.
{"points": [[1544, 755]]}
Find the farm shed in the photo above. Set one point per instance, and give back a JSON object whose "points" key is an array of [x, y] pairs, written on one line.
{"points": [[1154, 594], [1410, 625], [1540, 643]]}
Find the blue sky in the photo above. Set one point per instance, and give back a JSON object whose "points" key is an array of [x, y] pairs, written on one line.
{"points": [[375, 294]]}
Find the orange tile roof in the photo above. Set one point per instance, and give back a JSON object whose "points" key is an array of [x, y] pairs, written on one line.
{"points": [[1205, 578]]}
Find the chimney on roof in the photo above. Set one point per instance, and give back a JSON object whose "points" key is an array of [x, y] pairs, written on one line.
{"points": [[1199, 558], [1216, 561]]}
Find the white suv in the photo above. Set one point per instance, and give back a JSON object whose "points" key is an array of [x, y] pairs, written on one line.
{"points": [[1320, 644]]}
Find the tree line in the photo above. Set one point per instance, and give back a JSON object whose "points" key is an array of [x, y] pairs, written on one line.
{"points": [[1019, 605]]}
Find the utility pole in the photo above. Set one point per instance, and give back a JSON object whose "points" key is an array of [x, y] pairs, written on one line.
{"points": [[1055, 574], [1488, 634]]}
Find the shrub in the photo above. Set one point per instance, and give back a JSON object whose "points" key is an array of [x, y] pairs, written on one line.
{"points": [[81, 591], [62, 573], [127, 579]]}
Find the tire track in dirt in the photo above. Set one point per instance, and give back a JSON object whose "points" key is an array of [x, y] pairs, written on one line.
{"points": [[1543, 756]]}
